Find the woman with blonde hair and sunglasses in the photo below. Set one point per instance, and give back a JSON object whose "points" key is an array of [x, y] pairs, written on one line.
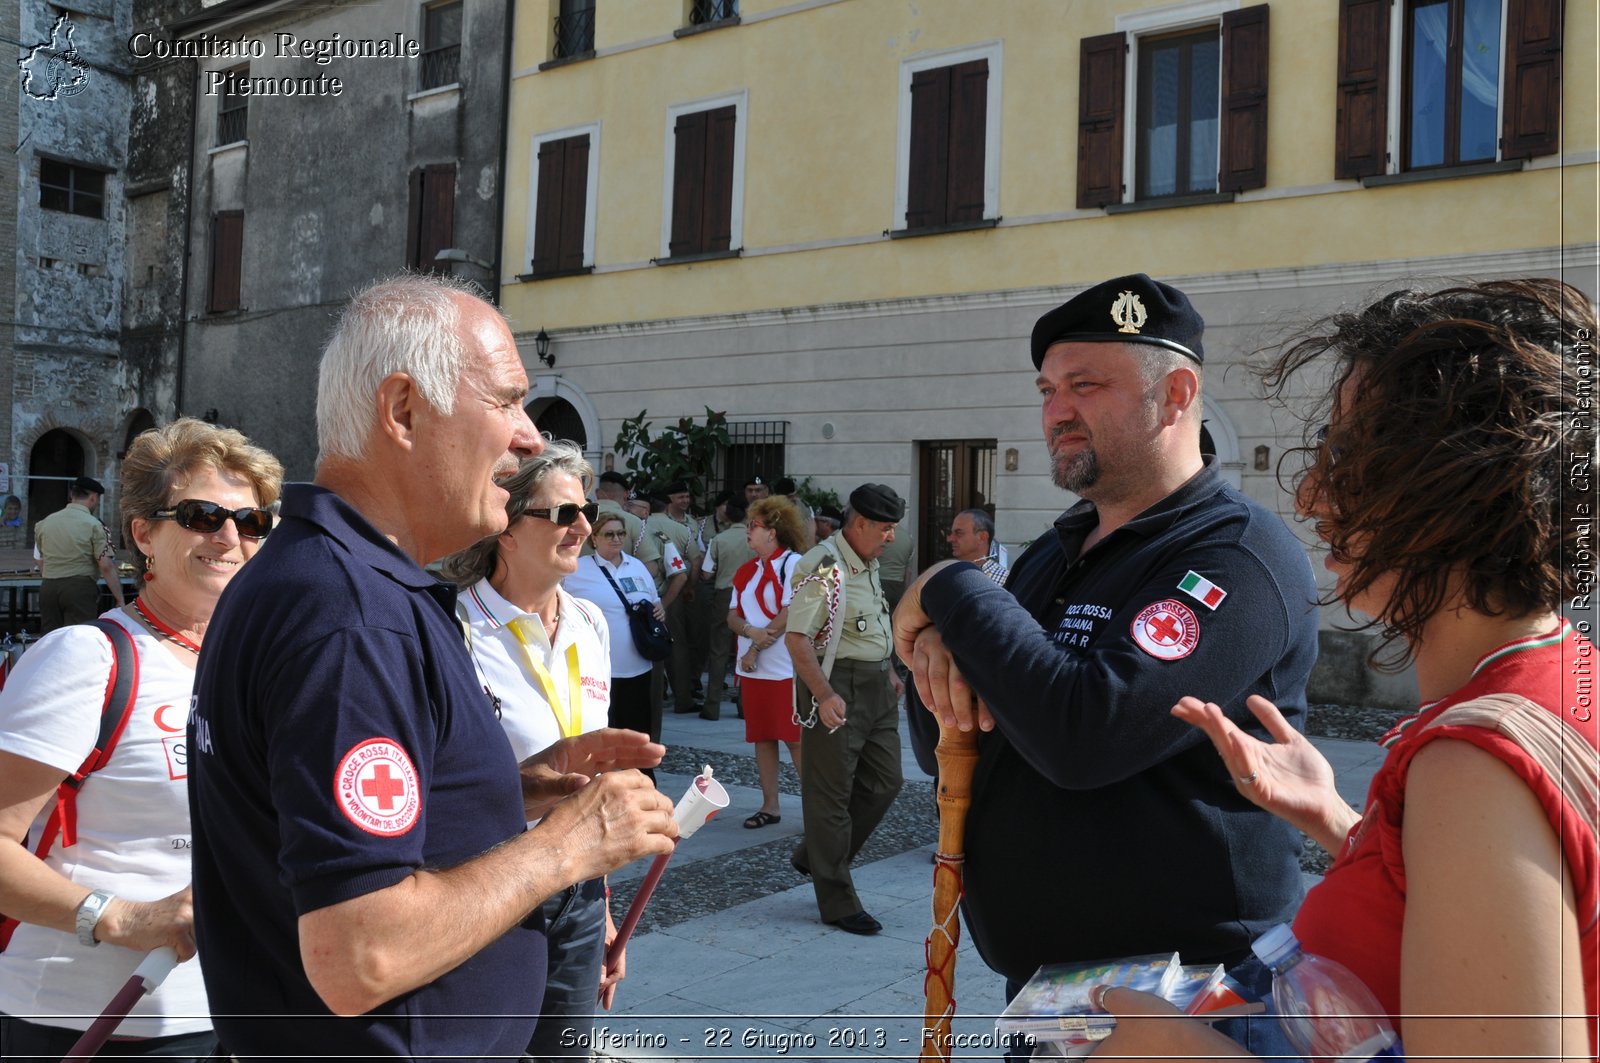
{"points": [[112, 882]]}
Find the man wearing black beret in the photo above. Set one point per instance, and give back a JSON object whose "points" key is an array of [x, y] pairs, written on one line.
{"points": [[1101, 826], [846, 695]]}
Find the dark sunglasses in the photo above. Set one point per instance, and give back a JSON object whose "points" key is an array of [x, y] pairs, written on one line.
{"points": [[204, 517], [566, 514]]}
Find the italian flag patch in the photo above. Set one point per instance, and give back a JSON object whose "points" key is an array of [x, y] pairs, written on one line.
{"points": [[1202, 590]]}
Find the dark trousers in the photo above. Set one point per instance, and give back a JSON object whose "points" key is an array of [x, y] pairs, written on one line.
{"points": [[70, 600], [679, 671], [630, 707], [848, 781], [26, 1042], [719, 643], [575, 927]]}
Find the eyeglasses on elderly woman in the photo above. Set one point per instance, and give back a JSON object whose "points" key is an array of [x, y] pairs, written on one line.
{"points": [[566, 514], [199, 515]]}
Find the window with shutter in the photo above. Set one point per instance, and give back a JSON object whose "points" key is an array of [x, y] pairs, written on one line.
{"points": [[704, 203], [1199, 104], [561, 205], [227, 257], [1467, 94], [948, 164], [432, 221], [948, 116]]}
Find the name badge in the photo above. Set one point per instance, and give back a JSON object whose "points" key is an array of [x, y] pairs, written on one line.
{"points": [[861, 624]]}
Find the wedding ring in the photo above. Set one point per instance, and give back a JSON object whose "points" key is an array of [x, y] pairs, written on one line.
{"points": [[1097, 996], [1249, 780]]}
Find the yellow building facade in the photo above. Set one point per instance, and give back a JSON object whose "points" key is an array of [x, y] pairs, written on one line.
{"points": [[836, 220]]}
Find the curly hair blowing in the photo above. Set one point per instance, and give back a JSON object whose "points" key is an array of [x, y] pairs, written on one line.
{"points": [[1447, 470], [779, 514]]}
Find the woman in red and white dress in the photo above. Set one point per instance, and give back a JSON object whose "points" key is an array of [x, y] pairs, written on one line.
{"points": [[760, 608]]}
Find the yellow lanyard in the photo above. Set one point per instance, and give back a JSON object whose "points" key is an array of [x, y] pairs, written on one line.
{"points": [[547, 684]]}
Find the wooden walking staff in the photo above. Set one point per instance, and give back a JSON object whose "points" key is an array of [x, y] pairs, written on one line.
{"points": [[957, 754]]}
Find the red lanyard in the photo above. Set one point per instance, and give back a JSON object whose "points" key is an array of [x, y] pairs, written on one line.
{"points": [[149, 618]]}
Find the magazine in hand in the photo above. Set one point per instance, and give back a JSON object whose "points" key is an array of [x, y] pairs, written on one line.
{"points": [[1054, 1006]]}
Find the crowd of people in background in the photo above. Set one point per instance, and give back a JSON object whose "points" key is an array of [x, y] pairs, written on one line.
{"points": [[372, 802]]}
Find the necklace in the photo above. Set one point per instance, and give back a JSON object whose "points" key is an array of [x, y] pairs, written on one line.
{"points": [[182, 640]]}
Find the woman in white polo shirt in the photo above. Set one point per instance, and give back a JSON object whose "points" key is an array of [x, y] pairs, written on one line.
{"points": [[545, 659]]}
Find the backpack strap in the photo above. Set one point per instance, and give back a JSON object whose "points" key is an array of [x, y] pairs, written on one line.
{"points": [[122, 690]]}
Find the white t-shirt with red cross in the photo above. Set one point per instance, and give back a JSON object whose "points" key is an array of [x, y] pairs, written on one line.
{"points": [[133, 825]]}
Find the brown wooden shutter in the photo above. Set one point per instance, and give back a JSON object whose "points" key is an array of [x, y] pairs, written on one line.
{"points": [[969, 106], [1243, 162], [574, 204], [1362, 122], [547, 207], [227, 256], [1101, 64], [688, 183], [716, 212], [414, 220], [928, 173], [1533, 79], [438, 212]]}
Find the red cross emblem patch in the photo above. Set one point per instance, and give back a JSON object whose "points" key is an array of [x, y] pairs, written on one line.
{"points": [[376, 787], [1166, 630]]}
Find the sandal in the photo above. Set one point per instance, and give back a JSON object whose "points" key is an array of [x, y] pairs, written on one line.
{"points": [[761, 819]]}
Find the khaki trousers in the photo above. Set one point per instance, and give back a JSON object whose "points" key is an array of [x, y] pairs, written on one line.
{"points": [[848, 779]]}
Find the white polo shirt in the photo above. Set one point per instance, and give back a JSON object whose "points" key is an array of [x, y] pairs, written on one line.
{"points": [[525, 712]]}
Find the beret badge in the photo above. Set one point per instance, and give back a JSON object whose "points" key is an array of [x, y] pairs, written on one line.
{"points": [[1128, 312]]}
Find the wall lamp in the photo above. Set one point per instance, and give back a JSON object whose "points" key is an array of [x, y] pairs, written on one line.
{"points": [[455, 254], [541, 344]]}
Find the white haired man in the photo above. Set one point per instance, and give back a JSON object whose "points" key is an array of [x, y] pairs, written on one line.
{"points": [[359, 837]]}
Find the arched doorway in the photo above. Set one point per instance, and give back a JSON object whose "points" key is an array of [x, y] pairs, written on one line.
{"points": [[138, 424], [55, 459], [559, 419]]}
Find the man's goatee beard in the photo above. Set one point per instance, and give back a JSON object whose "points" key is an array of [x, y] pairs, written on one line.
{"points": [[1077, 472]]}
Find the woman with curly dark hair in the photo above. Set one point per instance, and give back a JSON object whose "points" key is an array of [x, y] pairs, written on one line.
{"points": [[1453, 486]]}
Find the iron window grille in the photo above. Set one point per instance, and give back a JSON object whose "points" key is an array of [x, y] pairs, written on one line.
{"points": [[574, 31], [441, 45], [703, 12], [755, 448], [233, 110]]}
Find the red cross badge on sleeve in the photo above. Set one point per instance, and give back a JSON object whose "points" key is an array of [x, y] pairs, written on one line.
{"points": [[376, 788], [1167, 630], [677, 563]]}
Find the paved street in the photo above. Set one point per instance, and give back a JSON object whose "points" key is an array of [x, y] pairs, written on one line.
{"points": [[731, 960]]}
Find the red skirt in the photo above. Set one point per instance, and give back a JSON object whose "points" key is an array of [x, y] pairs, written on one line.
{"points": [[768, 710]]}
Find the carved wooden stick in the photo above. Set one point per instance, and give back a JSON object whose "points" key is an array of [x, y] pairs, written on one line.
{"points": [[957, 754]]}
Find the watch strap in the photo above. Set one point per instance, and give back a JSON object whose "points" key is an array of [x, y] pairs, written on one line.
{"points": [[90, 910]]}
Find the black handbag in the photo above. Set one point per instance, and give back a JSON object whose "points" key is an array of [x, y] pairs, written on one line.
{"points": [[650, 636]]}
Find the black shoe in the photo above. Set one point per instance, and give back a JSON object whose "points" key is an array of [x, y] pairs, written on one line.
{"points": [[857, 923], [803, 872], [685, 710], [710, 715]]}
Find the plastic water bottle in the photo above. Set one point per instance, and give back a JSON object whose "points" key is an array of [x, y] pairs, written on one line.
{"points": [[1327, 1013]]}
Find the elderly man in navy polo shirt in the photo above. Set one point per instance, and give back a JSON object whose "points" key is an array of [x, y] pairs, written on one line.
{"points": [[1100, 826], [359, 841]]}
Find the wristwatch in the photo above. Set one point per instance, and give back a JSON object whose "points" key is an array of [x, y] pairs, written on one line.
{"points": [[89, 913]]}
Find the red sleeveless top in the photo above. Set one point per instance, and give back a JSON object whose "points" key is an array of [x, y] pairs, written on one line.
{"points": [[1356, 914]]}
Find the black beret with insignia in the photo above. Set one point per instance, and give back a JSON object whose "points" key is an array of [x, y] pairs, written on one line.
{"points": [[1133, 309], [878, 502]]}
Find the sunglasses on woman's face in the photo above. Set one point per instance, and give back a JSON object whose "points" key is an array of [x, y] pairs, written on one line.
{"points": [[566, 514], [204, 517]]}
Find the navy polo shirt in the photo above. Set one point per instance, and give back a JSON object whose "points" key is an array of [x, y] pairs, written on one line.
{"points": [[341, 741], [1101, 826]]}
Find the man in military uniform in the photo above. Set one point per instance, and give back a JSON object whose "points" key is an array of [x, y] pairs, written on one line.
{"points": [[755, 489], [676, 529], [839, 639], [72, 548], [727, 551], [898, 564]]}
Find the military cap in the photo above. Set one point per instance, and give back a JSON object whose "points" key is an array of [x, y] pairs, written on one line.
{"points": [[676, 487], [611, 476], [1133, 309], [784, 486], [878, 502], [88, 483]]}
